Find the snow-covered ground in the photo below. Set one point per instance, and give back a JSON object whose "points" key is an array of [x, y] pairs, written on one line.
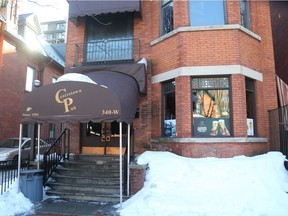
{"points": [[239, 186]]}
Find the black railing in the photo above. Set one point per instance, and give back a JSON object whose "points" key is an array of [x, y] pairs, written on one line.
{"points": [[279, 129], [56, 153], [9, 173], [107, 51]]}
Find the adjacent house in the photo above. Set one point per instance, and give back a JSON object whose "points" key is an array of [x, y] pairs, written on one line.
{"points": [[28, 62]]}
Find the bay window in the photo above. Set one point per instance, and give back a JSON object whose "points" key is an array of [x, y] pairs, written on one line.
{"points": [[205, 13], [166, 16], [250, 106], [169, 111], [211, 107], [244, 12]]}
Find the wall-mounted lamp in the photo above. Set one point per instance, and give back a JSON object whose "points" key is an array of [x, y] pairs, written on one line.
{"points": [[37, 83]]}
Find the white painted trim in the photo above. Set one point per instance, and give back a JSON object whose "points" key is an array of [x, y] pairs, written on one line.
{"points": [[207, 71], [206, 28]]}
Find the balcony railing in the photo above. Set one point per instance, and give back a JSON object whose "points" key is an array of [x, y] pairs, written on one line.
{"points": [[107, 51]]}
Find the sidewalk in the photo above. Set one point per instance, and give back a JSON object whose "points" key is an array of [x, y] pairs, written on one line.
{"points": [[59, 207]]}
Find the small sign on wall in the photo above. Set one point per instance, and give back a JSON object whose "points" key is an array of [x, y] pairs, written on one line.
{"points": [[250, 127]]}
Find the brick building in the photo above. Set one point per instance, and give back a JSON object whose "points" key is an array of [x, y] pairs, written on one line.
{"points": [[26, 58], [210, 77]]}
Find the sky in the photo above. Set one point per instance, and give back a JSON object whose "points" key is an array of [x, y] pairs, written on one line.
{"points": [[45, 9], [175, 185]]}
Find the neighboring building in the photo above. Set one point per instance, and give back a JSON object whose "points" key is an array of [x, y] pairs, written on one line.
{"points": [[210, 76], [26, 58], [54, 31], [279, 117], [279, 19]]}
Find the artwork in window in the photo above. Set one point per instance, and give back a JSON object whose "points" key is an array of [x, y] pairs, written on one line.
{"points": [[211, 107]]}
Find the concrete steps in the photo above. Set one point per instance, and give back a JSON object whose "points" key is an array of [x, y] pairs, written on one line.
{"points": [[88, 177]]}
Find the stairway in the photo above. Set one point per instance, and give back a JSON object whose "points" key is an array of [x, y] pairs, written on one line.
{"points": [[88, 177]]}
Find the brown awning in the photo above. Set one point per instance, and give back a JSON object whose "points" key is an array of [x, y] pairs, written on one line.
{"points": [[95, 7], [135, 70], [112, 97]]}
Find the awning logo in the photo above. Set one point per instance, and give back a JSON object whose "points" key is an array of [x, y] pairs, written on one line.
{"points": [[62, 96]]}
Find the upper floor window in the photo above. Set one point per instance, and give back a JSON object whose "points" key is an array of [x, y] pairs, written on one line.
{"points": [[109, 38], [203, 12], [166, 16], [244, 12], [30, 76]]}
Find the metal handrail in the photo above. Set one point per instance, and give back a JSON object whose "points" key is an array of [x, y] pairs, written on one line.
{"points": [[58, 151], [107, 51]]}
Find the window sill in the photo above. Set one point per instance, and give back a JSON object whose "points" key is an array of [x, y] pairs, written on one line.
{"points": [[205, 28], [212, 140]]}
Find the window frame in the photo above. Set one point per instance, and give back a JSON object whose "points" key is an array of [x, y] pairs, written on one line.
{"points": [[163, 106], [163, 5], [30, 77], [101, 42], [252, 92], [245, 13], [224, 2], [229, 88]]}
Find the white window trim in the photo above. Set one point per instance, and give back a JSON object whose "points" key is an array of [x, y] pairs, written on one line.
{"points": [[205, 28], [29, 79], [207, 71]]}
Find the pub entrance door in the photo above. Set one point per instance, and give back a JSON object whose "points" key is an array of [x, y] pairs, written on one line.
{"points": [[102, 138]]}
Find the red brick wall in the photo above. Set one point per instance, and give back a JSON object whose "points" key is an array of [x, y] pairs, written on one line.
{"points": [[221, 150], [199, 48], [137, 177], [12, 83]]}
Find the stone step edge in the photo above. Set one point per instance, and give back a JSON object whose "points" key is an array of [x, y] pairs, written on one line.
{"points": [[98, 197], [83, 185]]}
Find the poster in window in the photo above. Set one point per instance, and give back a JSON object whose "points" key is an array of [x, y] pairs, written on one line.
{"points": [[211, 127], [170, 128], [250, 127]]}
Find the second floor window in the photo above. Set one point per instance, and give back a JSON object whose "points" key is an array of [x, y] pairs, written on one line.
{"points": [[109, 38], [205, 13], [166, 17], [30, 76], [244, 12]]}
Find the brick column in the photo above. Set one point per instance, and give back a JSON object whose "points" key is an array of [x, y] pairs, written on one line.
{"points": [[137, 177]]}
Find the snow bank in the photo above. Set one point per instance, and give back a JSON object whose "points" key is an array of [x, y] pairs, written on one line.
{"points": [[14, 203], [239, 186]]}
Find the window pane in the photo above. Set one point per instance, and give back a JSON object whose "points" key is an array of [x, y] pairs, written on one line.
{"points": [[250, 107], [169, 109], [110, 38], [244, 11], [206, 12], [167, 18], [220, 82], [29, 79], [211, 107]]}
